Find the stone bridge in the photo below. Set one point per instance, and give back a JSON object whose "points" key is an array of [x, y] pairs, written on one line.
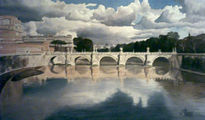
{"points": [[120, 58], [95, 58]]}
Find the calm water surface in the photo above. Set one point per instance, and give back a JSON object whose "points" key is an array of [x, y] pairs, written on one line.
{"points": [[104, 93]]}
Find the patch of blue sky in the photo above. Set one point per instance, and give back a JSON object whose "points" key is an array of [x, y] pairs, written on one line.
{"points": [[107, 3], [159, 4], [156, 4]]}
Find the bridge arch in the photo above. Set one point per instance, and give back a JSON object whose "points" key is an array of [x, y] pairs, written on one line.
{"points": [[108, 60], [52, 60], [57, 60], [134, 60], [82, 60], [161, 61]]}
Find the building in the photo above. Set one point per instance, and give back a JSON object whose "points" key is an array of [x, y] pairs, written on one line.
{"points": [[13, 41], [47, 39], [10, 30]]}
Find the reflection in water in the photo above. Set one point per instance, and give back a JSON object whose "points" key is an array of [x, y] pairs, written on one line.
{"points": [[104, 93], [56, 69], [119, 106], [133, 69], [82, 69], [108, 69], [161, 70]]}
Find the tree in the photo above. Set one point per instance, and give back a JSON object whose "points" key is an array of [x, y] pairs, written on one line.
{"points": [[173, 35], [129, 47], [153, 44], [165, 43], [83, 44]]}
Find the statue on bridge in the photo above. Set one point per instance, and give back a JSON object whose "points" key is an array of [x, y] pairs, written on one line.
{"points": [[121, 49], [148, 49]]}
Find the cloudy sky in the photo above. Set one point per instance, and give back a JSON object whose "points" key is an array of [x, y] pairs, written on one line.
{"points": [[108, 21]]}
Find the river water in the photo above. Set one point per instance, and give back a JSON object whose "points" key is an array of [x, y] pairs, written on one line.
{"points": [[104, 93]]}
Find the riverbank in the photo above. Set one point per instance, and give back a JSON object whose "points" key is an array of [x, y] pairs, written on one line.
{"points": [[194, 72]]}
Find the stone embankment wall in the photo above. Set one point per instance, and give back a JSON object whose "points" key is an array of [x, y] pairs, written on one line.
{"points": [[10, 63]]}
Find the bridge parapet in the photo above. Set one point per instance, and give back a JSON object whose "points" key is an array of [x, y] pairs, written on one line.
{"points": [[94, 57]]}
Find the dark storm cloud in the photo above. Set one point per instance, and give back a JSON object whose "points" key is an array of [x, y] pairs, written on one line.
{"points": [[15, 8], [24, 14]]}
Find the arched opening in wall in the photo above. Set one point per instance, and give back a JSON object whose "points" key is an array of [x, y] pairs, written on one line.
{"points": [[134, 61], [82, 61], [107, 61], [161, 61]]}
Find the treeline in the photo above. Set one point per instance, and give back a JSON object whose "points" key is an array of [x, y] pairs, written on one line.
{"points": [[192, 44], [163, 43], [83, 44]]}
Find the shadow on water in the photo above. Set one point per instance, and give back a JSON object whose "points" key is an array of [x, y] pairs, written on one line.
{"points": [[119, 106]]}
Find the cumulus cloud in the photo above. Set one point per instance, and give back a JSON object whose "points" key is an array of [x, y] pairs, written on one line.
{"points": [[171, 15], [136, 21], [98, 32], [122, 17]]}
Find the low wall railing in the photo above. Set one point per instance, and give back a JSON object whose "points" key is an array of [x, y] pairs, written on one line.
{"points": [[101, 53]]}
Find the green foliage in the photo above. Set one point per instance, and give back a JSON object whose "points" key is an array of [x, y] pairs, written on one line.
{"points": [[83, 44], [192, 44], [103, 50], [129, 47], [165, 43], [173, 35], [58, 42]]}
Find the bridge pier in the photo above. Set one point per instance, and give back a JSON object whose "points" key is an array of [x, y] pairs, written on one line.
{"points": [[121, 61], [94, 59]]}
